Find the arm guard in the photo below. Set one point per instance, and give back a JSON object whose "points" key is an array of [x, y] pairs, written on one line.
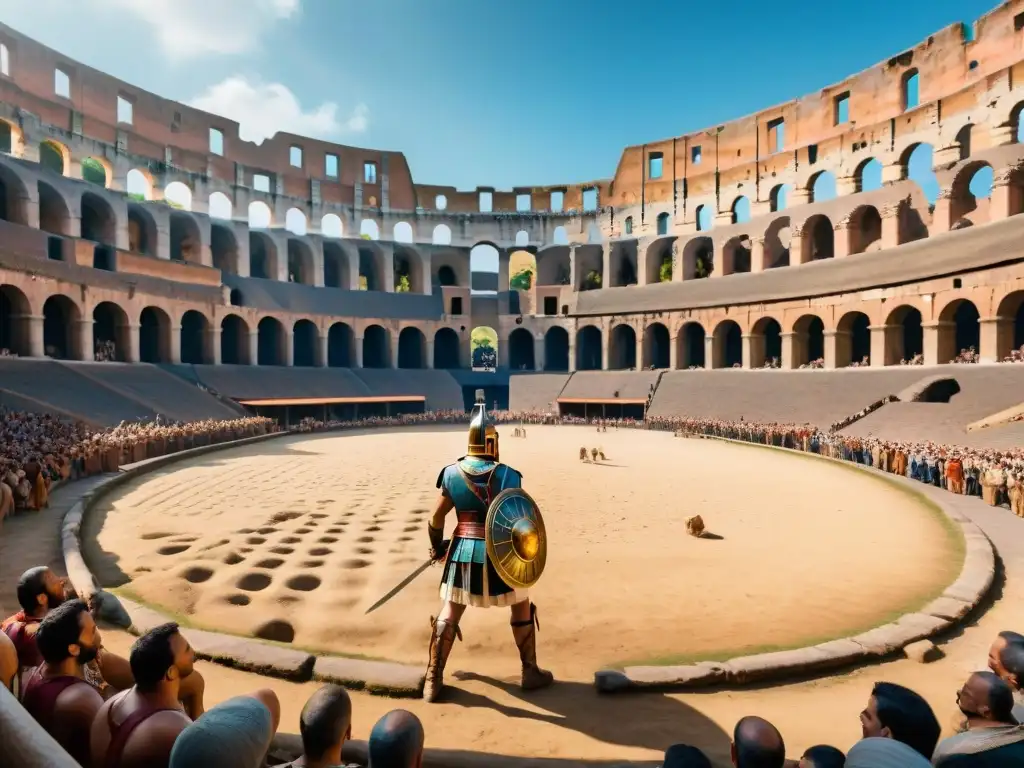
{"points": [[438, 546]]}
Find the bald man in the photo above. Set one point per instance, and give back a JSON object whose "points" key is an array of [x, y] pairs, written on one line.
{"points": [[993, 737], [756, 743], [396, 741]]}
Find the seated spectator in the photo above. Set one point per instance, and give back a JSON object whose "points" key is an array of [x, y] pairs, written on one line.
{"points": [[8, 662], [993, 737], [137, 727], [756, 743], [396, 741], [884, 753], [325, 726], [233, 734], [56, 693], [822, 756], [684, 756], [1006, 659], [895, 712]]}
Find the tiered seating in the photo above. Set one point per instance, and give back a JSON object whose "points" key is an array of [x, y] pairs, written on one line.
{"points": [[535, 391], [605, 385], [439, 387], [250, 382]]}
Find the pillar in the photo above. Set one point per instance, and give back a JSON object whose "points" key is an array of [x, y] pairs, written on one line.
{"points": [[939, 342], [640, 351], [174, 353], [886, 345], [796, 247], [503, 266], [538, 354], [35, 341], [788, 351], [753, 350], [429, 354], [289, 348], [358, 352], [996, 338], [838, 346], [84, 337], [572, 352], [605, 344], [254, 347], [709, 351], [324, 349], [131, 355], [211, 339], [673, 351], [756, 254]]}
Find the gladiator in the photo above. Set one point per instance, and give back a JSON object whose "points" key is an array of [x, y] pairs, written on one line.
{"points": [[593, 454], [583, 454], [470, 576]]}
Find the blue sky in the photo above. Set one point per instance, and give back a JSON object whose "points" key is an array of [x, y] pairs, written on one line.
{"points": [[481, 92]]}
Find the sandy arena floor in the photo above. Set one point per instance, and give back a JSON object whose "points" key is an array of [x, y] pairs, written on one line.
{"points": [[299, 536]]}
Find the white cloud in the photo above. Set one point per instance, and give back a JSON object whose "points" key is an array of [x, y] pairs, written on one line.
{"points": [[263, 109], [188, 28]]}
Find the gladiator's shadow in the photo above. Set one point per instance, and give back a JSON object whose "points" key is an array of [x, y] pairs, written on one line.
{"points": [[648, 720], [711, 536]]}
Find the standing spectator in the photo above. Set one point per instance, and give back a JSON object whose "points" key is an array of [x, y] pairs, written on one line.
{"points": [[396, 741], [895, 712]]}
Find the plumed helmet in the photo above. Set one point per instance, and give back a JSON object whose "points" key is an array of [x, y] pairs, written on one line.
{"points": [[483, 436]]}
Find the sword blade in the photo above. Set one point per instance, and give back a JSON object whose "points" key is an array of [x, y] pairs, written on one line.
{"points": [[401, 585]]}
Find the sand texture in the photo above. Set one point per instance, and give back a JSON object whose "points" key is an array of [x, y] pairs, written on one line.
{"points": [[292, 540]]}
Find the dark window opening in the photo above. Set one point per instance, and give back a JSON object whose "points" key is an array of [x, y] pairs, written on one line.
{"points": [[550, 305]]}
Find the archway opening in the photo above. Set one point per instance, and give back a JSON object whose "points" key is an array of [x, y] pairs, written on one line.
{"points": [[52, 157], [622, 348], [446, 349], [330, 226], [588, 348], [340, 346], [224, 249], [484, 348], [966, 333], [657, 347], [520, 350], [659, 261], [185, 240], [412, 348], [869, 175], [376, 348], [556, 349], [698, 258], [295, 222], [98, 221], [305, 344], [219, 207], [262, 257], [234, 341], [818, 239], [766, 344], [369, 271], [736, 255], [446, 276], [809, 342], [727, 345], [823, 187], [692, 346], [777, 239], [14, 329], [335, 266], [194, 333], [916, 162], [178, 195], [94, 172], [970, 195], [865, 230], [53, 211], [142, 235], [904, 343], [154, 336], [271, 346], [60, 328], [300, 263], [853, 340]]}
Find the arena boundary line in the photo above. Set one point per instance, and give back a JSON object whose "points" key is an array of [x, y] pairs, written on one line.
{"points": [[948, 610], [248, 654]]}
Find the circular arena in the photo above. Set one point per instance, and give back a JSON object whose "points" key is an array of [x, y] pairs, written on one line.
{"points": [[231, 371], [294, 543]]}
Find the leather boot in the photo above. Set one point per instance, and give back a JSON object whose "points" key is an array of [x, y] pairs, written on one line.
{"points": [[525, 633], [442, 638]]}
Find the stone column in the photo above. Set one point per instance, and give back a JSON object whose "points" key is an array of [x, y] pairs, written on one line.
{"points": [[886, 345], [640, 351], [841, 240], [211, 340], [503, 353], [574, 279], [673, 352], [174, 351], [753, 350], [538, 353], [709, 351], [503, 268], [131, 355], [572, 352], [324, 350], [939, 342], [85, 350], [289, 348], [358, 352], [943, 210], [837, 347], [996, 338], [890, 225], [756, 254], [388, 276], [605, 348], [789, 348], [1001, 201], [428, 362], [796, 247], [393, 348], [36, 340], [254, 347]]}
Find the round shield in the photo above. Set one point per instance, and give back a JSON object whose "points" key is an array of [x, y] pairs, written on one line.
{"points": [[517, 542]]}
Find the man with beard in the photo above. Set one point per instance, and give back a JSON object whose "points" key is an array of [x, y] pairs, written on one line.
{"points": [[992, 737], [56, 693], [137, 728], [1006, 659]]}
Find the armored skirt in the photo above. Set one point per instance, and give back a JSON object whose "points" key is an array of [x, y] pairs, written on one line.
{"points": [[469, 577]]}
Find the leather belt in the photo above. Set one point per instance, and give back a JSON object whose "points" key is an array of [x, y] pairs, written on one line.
{"points": [[470, 530]]}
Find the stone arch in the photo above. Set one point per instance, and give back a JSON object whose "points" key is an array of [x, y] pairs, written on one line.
{"points": [[766, 343], [224, 249], [1010, 329], [484, 348], [271, 343], [559, 236], [368, 229], [295, 222], [99, 223], [442, 235], [260, 216], [778, 198], [376, 347], [556, 349], [305, 344], [154, 336], [412, 348], [446, 349], [916, 164], [520, 350], [219, 207], [662, 224], [111, 332], [868, 175], [658, 262], [178, 195], [698, 258], [966, 199], [522, 278], [61, 327], [301, 268], [777, 239], [407, 268], [402, 232], [54, 156], [727, 345], [54, 215], [622, 348], [522, 238], [963, 138], [623, 263], [142, 230], [657, 347], [808, 340], [864, 230], [446, 276], [553, 266], [234, 341], [818, 240], [331, 226], [336, 271], [186, 242], [853, 340], [704, 217], [371, 269], [195, 330], [139, 185], [959, 330], [235, 298], [13, 197], [736, 255], [590, 268], [15, 310], [262, 256], [341, 345], [740, 210], [904, 337], [94, 171], [691, 345], [822, 187], [588, 348]]}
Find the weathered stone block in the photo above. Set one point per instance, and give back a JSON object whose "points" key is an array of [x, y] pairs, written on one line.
{"points": [[251, 655], [923, 651], [374, 676]]}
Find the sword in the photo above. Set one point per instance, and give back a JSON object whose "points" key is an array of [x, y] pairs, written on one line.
{"points": [[403, 584]]}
